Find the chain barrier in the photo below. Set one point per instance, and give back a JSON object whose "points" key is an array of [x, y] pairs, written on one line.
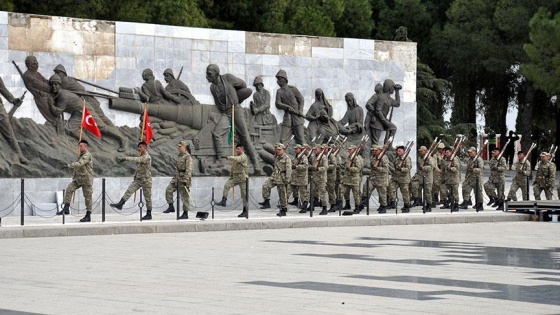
{"points": [[14, 206]]}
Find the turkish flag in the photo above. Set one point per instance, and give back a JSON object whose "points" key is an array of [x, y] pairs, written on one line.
{"points": [[148, 128], [89, 123]]}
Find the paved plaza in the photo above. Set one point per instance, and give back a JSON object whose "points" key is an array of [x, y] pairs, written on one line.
{"points": [[487, 268]]}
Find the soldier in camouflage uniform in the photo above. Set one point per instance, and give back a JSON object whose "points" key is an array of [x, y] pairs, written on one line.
{"points": [[521, 179], [238, 177], [83, 177], [450, 180], [423, 179], [332, 171], [318, 171], [272, 181], [378, 180], [182, 177], [496, 181], [473, 180], [299, 180], [401, 178], [545, 177], [436, 186], [281, 176], [352, 178], [142, 179]]}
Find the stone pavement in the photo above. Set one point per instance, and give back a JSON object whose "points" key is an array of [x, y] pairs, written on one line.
{"points": [[483, 268]]}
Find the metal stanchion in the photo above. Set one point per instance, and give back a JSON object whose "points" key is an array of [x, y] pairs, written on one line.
{"points": [[476, 192], [423, 194], [311, 198], [22, 220], [339, 205], [247, 196], [102, 200], [367, 196], [178, 198], [63, 215], [527, 189], [141, 204], [212, 203]]}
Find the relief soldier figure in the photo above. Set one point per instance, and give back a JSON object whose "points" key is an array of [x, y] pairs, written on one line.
{"points": [[289, 99], [380, 105], [320, 116], [260, 105], [353, 121], [5, 125], [152, 90], [178, 88]]}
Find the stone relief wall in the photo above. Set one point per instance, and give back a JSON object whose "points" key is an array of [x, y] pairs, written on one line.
{"points": [[114, 54]]}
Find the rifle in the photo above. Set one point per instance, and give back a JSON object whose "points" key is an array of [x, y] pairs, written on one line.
{"points": [[335, 152], [552, 152], [409, 145], [289, 141], [503, 150], [357, 151], [458, 142], [533, 145], [14, 108], [320, 157], [180, 72], [382, 154], [477, 155]]}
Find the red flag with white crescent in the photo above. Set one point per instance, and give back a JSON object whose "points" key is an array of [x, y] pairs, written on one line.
{"points": [[89, 123], [148, 129]]}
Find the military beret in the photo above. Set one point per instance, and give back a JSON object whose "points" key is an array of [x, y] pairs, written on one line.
{"points": [[423, 148], [298, 146], [376, 147], [182, 143], [471, 149], [352, 147], [441, 145], [280, 146], [544, 153]]}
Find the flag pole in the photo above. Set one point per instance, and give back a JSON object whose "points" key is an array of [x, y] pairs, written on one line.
{"points": [[143, 122], [232, 144], [80, 138]]}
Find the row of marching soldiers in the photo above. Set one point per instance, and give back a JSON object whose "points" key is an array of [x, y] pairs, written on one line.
{"points": [[317, 177]]}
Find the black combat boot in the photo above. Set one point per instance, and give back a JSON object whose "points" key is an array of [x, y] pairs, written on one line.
{"points": [[382, 209], [295, 202], [87, 217], [184, 216], [118, 205], [405, 208], [338, 204], [359, 208], [454, 207], [500, 205], [65, 209], [243, 214], [491, 201], [427, 208], [316, 202], [222, 203], [282, 212], [469, 202], [496, 202], [304, 206], [265, 204], [347, 206], [417, 202], [446, 204], [479, 207], [333, 208], [170, 209], [148, 215], [324, 211], [435, 200], [391, 204], [464, 205]]}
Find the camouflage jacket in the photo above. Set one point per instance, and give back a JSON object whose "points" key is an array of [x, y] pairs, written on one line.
{"points": [[522, 174], [402, 173], [380, 174], [144, 170], [299, 171], [497, 169], [184, 166], [332, 169], [238, 167], [83, 169], [474, 168], [319, 174], [450, 171], [425, 167], [438, 159], [282, 173], [546, 175], [353, 174]]}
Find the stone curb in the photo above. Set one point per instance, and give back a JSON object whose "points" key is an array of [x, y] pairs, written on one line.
{"points": [[110, 228]]}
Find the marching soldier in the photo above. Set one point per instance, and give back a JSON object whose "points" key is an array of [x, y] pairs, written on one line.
{"points": [[332, 188], [450, 180], [299, 177], [436, 186], [522, 173], [545, 178], [238, 177], [423, 179], [473, 178], [318, 169], [182, 177], [142, 179], [496, 181], [83, 177], [401, 178], [274, 180], [378, 180], [352, 178], [282, 175]]}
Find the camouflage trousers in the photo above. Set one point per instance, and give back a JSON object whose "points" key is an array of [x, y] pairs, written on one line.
{"points": [[333, 192], [320, 191], [469, 185], [516, 184], [146, 190], [538, 189], [405, 191], [242, 187], [490, 188], [282, 192], [449, 192], [436, 183], [184, 192], [355, 189], [87, 191], [299, 191], [381, 191], [417, 186]]}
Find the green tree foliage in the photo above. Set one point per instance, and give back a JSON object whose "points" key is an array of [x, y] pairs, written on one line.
{"points": [[430, 92], [411, 14], [6, 5], [355, 21]]}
